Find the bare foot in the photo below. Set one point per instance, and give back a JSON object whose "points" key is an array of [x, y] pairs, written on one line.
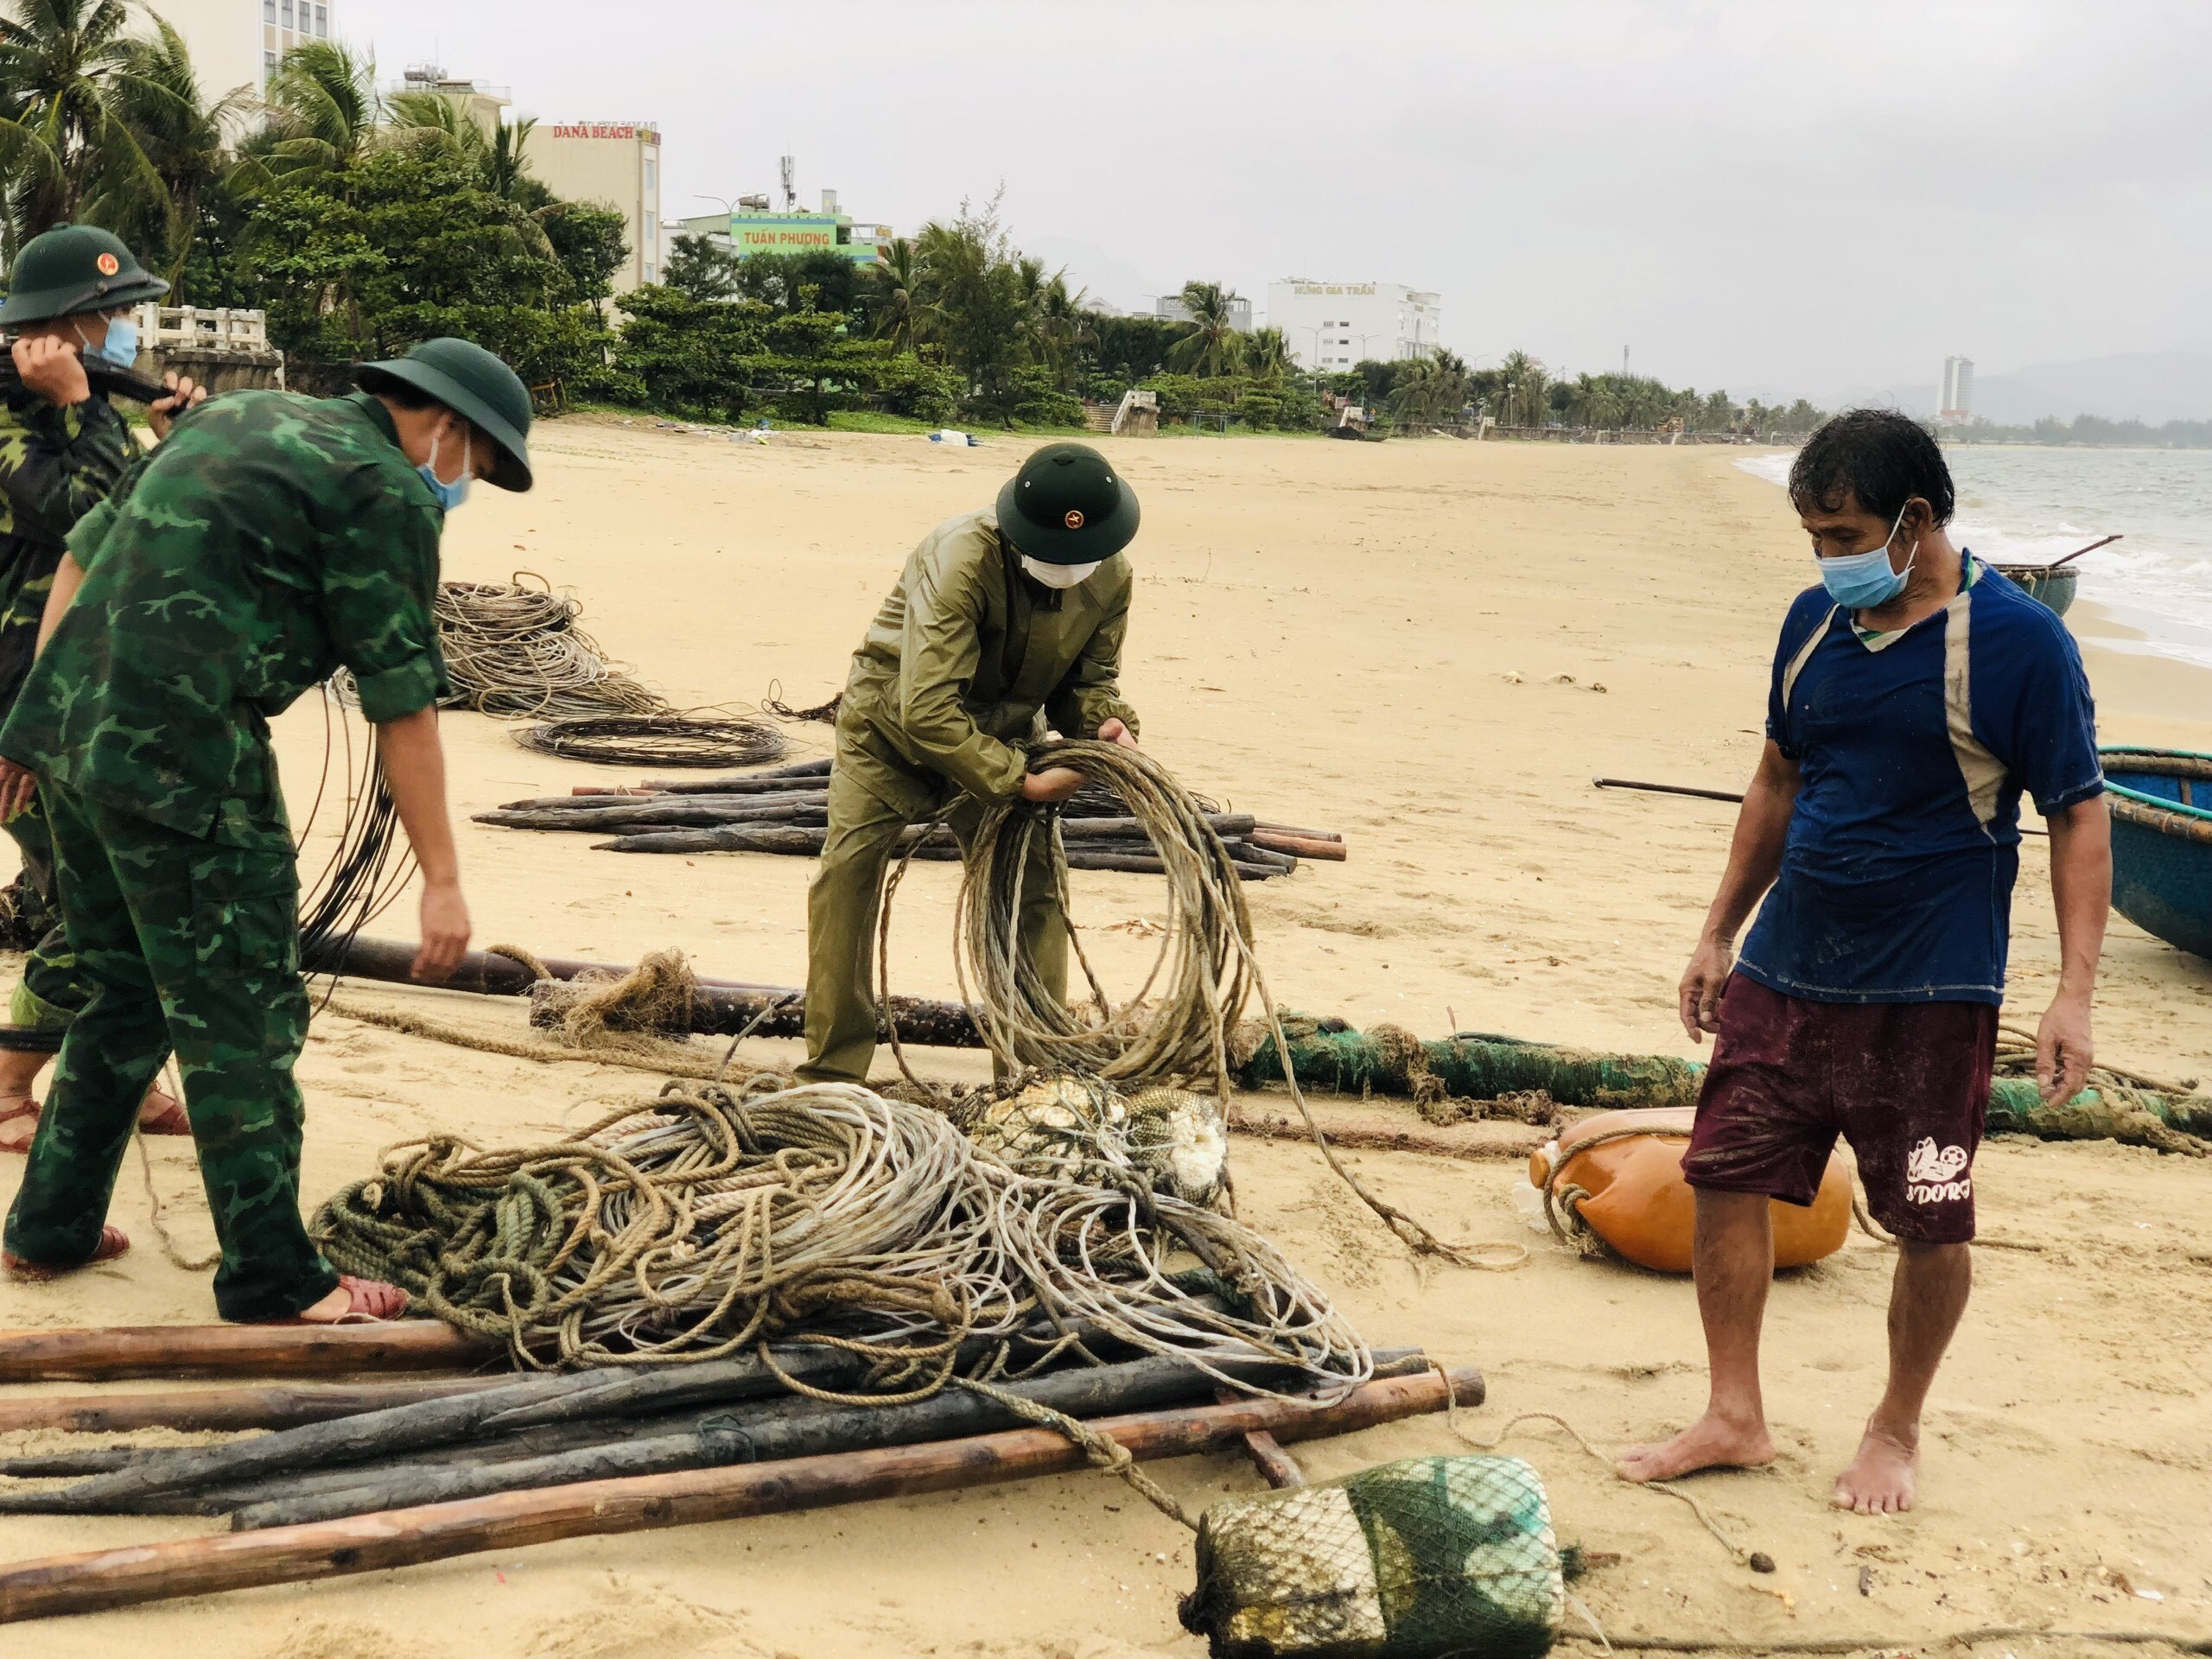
{"points": [[1884, 1479], [356, 1301], [114, 1243], [1712, 1442]]}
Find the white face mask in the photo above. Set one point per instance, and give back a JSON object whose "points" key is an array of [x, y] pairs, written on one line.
{"points": [[1059, 575]]}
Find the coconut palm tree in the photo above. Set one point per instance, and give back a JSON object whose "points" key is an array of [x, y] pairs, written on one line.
{"points": [[187, 142], [895, 284], [322, 109], [1213, 345], [1267, 353], [63, 64]]}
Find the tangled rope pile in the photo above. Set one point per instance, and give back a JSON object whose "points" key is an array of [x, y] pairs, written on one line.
{"points": [[704, 1221], [514, 648], [658, 741], [1179, 1024]]}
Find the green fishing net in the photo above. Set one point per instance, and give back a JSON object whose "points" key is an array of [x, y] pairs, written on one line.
{"points": [[1414, 1560]]}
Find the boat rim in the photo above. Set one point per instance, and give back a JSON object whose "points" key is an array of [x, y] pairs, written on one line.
{"points": [[2155, 803]]}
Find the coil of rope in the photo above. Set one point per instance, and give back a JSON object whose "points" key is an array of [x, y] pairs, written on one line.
{"points": [[677, 741], [703, 1222], [1179, 1025], [514, 648]]}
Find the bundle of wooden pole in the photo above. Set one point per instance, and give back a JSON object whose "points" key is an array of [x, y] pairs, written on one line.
{"points": [[641, 1471], [786, 810]]}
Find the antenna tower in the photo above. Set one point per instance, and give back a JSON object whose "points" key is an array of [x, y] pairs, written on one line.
{"points": [[790, 165]]}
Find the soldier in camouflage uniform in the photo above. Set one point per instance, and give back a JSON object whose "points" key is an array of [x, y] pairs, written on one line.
{"points": [[62, 447], [271, 540]]}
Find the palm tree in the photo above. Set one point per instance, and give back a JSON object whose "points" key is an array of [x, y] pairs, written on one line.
{"points": [[63, 64], [1213, 346], [1062, 326], [186, 143], [1267, 353], [323, 111], [895, 282]]}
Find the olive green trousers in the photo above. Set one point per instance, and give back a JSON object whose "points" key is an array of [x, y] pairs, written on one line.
{"points": [[845, 903]]}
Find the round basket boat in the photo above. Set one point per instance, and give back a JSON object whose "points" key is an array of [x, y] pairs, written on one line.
{"points": [[2053, 588], [2162, 843]]}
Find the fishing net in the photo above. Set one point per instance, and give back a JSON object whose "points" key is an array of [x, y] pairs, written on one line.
{"points": [[1406, 1561]]}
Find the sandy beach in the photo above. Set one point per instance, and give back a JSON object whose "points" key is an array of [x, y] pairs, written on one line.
{"points": [[1431, 647]]}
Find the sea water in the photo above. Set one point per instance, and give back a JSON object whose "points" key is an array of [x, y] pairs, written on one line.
{"points": [[2023, 505]]}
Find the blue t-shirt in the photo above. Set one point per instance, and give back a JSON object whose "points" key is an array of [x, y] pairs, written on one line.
{"points": [[1896, 879]]}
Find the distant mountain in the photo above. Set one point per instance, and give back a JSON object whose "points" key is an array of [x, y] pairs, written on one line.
{"points": [[2150, 386]]}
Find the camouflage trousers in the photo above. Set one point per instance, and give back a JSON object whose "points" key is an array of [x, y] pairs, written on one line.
{"points": [[188, 946], [51, 991]]}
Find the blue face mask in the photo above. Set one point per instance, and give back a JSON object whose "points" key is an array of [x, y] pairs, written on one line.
{"points": [[120, 349], [450, 495], [1864, 582]]}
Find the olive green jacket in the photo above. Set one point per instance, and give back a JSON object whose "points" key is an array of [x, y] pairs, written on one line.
{"points": [[968, 652]]}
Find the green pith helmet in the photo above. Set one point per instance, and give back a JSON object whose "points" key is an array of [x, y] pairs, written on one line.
{"points": [[71, 269], [475, 385], [1067, 505]]}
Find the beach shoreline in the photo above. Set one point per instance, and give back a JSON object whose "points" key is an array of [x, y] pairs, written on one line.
{"points": [[1431, 646]]}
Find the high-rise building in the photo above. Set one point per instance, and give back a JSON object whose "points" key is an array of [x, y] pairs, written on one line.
{"points": [[238, 43], [1329, 327], [612, 164], [1956, 403]]}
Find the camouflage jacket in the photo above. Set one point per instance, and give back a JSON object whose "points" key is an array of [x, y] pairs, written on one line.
{"points": [[269, 540], [56, 465], [968, 651]]}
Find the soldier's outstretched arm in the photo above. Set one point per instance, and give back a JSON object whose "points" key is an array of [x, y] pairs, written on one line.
{"points": [[415, 767]]}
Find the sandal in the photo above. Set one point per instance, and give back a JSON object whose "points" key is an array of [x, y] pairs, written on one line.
{"points": [[114, 1243], [369, 1301], [27, 1108], [160, 1113]]}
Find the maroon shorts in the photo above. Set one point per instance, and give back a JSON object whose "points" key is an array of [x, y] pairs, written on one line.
{"points": [[1906, 1083]]}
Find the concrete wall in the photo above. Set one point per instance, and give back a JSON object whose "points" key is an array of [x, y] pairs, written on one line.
{"points": [[612, 164]]}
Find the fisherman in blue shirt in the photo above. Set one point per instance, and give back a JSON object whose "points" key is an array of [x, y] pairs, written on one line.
{"points": [[1916, 694]]}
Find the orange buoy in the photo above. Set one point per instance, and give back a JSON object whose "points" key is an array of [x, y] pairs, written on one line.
{"points": [[1629, 1168]]}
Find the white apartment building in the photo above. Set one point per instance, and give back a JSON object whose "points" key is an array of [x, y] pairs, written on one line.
{"points": [[1956, 402], [238, 43], [1332, 326]]}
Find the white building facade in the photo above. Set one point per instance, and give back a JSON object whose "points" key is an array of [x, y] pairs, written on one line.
{"points": [[1332, 326], [614, 164], [1956, 401], [238, 43]]}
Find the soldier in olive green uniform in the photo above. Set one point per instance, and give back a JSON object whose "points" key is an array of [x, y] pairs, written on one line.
{"points": [[62, 449], [1003, 621], [270, 540]]}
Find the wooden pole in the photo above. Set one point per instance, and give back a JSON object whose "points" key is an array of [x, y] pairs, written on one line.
{"points": [[227, 1408], [176, 1352], [95, 1579]]}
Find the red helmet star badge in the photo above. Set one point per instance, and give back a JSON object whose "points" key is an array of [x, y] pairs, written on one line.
{"points": [[109, 264], [1074, 520]]}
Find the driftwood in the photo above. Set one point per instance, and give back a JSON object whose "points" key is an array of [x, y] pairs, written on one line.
{"points": [[175, 1351], [1275, 841], [95, 1579], [794, 1429]]}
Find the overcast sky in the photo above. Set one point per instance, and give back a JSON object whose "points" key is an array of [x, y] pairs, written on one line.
{"points": [[1770, 196]]}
